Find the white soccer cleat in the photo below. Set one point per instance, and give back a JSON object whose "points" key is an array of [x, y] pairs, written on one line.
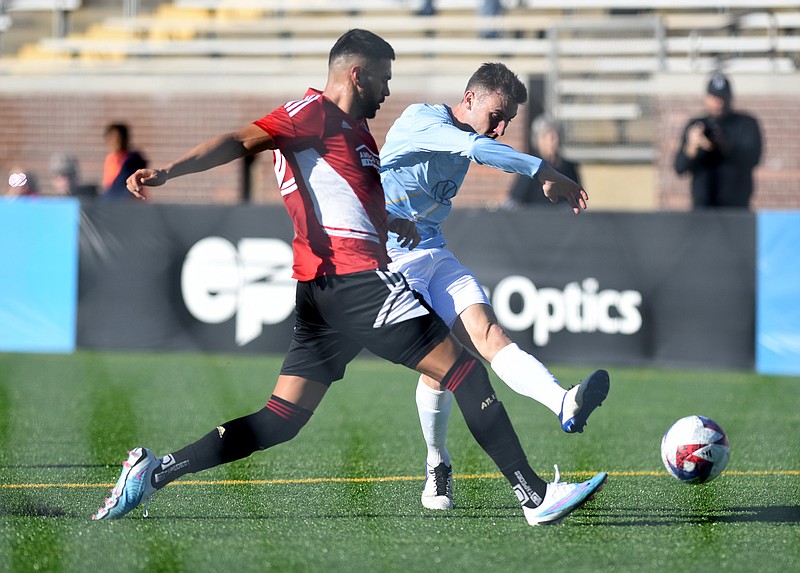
{"points": [[438, 490], [562, 499], [133, 486], [581, 400]]}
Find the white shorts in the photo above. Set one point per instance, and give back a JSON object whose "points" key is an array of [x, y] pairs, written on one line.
{"points": [[447, 285]]}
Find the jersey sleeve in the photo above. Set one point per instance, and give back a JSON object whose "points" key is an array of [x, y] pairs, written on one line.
{"points": [[431, 134], [294, 121]]}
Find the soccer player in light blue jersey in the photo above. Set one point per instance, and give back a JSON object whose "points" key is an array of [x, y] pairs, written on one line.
{"points": [[424, 161]]}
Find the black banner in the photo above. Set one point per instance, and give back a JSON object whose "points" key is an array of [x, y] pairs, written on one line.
{"points": [[177, 277], [674, 289]]}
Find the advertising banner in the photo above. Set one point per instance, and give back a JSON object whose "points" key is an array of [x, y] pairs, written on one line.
{"points": [[778, 326], [673, 289], [38, 274], [179, 277]]}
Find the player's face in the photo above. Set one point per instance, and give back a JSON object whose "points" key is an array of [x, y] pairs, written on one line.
{"points": [[373, 86], [490, 113]]}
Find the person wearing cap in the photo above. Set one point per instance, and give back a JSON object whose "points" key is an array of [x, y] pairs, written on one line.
{"points": [[65, 178], [720, 150]]}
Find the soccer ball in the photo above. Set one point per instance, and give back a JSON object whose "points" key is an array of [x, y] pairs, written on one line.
{"points": [[695, 449]]}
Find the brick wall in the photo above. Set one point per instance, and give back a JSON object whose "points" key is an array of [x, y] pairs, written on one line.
{"points": [[34, 126], [777, 178]]}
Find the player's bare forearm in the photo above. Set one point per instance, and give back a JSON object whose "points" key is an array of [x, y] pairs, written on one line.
{"points": [[207, 155]]}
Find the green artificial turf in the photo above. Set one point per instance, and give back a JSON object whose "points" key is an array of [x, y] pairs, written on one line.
{"points": [[344, 494]]}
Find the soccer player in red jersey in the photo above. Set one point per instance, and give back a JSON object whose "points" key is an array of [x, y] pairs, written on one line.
{"points": [[328, 169]]}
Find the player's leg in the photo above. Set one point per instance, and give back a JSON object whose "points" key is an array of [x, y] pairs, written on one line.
{"points": [[433, 402], [526, 375], [379, 311], [433, 407], [490, 426], [289, 408], [316, 357], [519, 370], [455, 290]]}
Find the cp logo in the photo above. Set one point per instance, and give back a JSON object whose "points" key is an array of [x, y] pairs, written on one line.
{"points": [[251, 280]]}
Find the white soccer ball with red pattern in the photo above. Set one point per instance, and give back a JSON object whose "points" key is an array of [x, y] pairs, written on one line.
{"points": [[695, 449]]}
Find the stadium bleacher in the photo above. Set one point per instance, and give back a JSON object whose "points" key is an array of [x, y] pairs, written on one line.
{"points": [[598, 58]]}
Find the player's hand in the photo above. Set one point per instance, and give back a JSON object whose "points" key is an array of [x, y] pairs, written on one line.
{"points": [[145, 178], [407, 233], [555, 185]]}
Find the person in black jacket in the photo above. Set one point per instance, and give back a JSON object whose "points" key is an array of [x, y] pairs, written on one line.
{"points": [[546, 142], [720, 150]]}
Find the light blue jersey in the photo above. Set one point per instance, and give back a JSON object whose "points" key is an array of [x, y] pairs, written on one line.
{"points": [[424, 162]]}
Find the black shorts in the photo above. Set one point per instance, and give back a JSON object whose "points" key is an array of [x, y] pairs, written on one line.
{"points": [[339, 315]]}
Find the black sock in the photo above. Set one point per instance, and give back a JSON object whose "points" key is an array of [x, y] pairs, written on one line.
{"points": [[488, 421], [279, 421]]}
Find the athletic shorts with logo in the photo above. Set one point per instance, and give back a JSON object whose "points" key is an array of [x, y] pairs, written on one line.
{"points": [[446, 285], [336, 316]]}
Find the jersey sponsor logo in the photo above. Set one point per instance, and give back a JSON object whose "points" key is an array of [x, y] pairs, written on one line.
{"points": [[444, 191], [346, 125], [578, 308], [368, 157], [251, 281]]}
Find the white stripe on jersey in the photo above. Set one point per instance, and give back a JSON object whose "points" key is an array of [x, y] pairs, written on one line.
{"points": [[401, 304], [288, 186], [293, 107], [338, 210]]}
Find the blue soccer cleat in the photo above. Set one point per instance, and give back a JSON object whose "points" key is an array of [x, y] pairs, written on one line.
{"points": [[133, 486], [581, 400], [562, 499]]}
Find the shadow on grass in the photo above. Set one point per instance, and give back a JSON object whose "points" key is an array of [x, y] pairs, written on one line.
{"points": [[30, 506], [631, 517], [55, 466]]}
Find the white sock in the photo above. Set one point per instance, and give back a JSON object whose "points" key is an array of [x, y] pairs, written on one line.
{"points": [[527, 376], [434, 412]]}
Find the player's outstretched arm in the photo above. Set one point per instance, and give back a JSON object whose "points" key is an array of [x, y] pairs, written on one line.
{"points": [[555, 184], [207, 155]]}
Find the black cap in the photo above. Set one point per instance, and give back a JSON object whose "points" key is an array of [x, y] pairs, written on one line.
{"points": [[719, 86]]}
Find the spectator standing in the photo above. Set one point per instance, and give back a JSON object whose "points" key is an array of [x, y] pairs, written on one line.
{"points": [[720, 149], [546, 137], [121, 162]]}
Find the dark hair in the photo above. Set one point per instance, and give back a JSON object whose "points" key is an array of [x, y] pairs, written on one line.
{"points": [[496, 77], [357, 42], [122, 130]]}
